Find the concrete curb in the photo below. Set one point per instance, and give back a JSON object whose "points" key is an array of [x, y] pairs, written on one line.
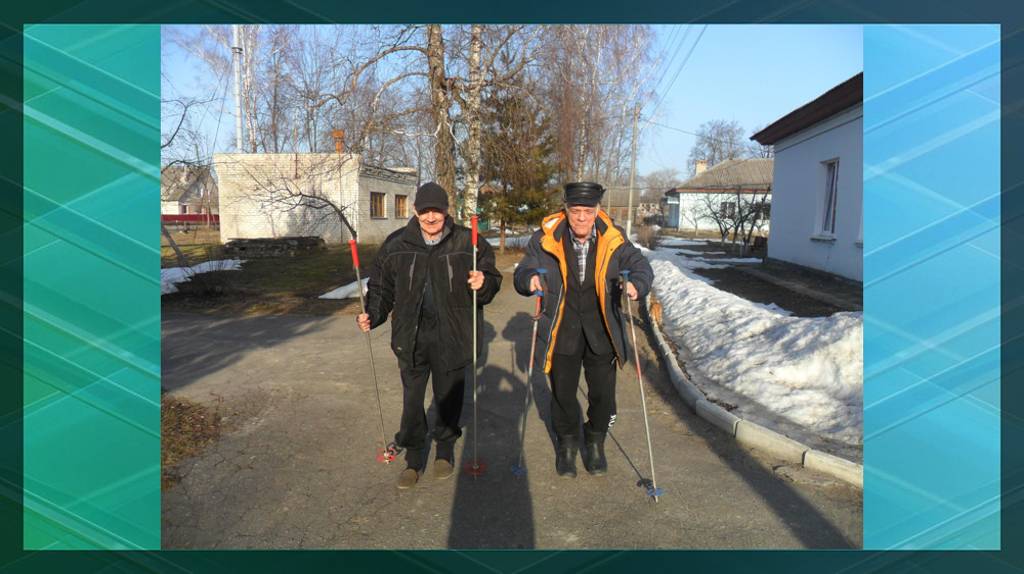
{"points": [[690, 393], [834, 466], [749, 433], [718, 416], [767, 440]]}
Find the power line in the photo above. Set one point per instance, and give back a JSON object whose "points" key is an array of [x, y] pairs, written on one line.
{"points": [[668, 63], [216, 131], [678, 72]]}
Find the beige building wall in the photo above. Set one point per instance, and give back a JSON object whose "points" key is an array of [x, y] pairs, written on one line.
{"points": [[392, 184], [260, 194]]}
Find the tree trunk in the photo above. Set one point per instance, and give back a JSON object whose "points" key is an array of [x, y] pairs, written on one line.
{"points": [[501, 242], [473, 122], [440, 100], [182, 260]]}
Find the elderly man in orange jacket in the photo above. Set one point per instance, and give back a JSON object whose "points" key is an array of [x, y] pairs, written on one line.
{"points": [[583, 253]]}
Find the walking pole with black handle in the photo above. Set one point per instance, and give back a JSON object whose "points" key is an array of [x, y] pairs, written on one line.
{"points": [[388, 451], [518, 469], [652, 489], [475, 468]]}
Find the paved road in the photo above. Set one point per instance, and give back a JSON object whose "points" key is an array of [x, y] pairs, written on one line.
{"points": [[296, 467]]}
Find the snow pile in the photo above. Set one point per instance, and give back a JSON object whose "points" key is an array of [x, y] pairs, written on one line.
{"points": [[699, 253], [349, 291], [172, 275], [706, 263], [678, 242], [793, 374]]}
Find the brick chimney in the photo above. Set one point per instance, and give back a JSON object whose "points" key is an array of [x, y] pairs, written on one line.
{"points": [[339, 140], [702, 166]]}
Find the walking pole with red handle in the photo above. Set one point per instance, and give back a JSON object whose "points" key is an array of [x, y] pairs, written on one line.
{"points": [[652, 489], [475, 468], [388, 451]]}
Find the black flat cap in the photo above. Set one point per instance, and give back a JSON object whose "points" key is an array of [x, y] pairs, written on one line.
{"points": [[583, 193], [431, 195]]}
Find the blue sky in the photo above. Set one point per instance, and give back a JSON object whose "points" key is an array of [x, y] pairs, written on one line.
{"points": [[753, 74]]}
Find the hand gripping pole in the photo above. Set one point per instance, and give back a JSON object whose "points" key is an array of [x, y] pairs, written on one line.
{"points": [[518, 469], [388, 451], [474, 468]]}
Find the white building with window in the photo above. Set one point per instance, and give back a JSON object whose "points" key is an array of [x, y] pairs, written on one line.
{"points": [[818, 183], [743, 184], [300, 194]]}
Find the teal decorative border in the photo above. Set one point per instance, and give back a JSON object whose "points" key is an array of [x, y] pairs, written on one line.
{"points": [[1009, 559], [91, 287], [931, 287]]}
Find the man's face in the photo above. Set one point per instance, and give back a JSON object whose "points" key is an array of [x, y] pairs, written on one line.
{"points": [[431, 220], [581, 219]]}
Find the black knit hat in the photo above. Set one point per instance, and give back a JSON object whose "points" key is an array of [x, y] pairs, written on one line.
{"points": [[583, 193], [431, 195]]}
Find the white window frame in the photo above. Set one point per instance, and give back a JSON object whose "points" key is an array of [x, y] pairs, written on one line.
{"points": [[827, 226]]}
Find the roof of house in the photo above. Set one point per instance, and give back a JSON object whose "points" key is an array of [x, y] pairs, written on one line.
{"points": [[846, 95], [748, 175]]}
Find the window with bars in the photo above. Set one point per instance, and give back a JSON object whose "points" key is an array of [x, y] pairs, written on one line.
{"points": [[727, 210], [401, 206], [377, 205], [828, 220]]}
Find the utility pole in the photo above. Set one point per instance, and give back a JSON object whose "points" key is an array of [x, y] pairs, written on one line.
{"points": [[632, 175], [236, 62]]}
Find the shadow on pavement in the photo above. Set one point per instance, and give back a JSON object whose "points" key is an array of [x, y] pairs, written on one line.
{"points": [[474, 521], [193, 347]]}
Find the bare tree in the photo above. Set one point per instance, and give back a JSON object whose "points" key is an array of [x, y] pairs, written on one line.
{"points": [[179, 149], [494, 59], [656, 183], [413, 93], [302, 189], [720, 208], [692, 215], [754, 207], [755, 149], [594, 78], [717, 141]]}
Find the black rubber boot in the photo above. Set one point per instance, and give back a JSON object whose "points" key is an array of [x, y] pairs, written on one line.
{"points": [[565, 456], [593, 459]]}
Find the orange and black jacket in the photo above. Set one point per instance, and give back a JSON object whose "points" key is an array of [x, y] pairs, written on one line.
{"points": [[546, 250]]}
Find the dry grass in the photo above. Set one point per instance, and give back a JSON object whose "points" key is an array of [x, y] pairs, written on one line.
{"points": [[186, 428], [274, 286], [647, 235], [198, 245]]}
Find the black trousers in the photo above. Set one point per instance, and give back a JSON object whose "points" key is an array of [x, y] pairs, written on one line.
{"points": [[599, 370], [449, 387]]}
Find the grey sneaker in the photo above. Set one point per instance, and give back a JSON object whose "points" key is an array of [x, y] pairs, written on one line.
{"points": [[442, 469], [408, 478]]}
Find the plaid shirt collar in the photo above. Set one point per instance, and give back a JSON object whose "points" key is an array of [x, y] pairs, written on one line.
{"points": [[582, 249]]}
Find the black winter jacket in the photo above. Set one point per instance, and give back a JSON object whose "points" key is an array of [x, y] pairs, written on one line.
{"points": [[396, 286]]}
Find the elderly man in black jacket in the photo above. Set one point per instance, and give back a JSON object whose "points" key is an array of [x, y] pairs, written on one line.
{"points": [[583, 253], [422, 277]]}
